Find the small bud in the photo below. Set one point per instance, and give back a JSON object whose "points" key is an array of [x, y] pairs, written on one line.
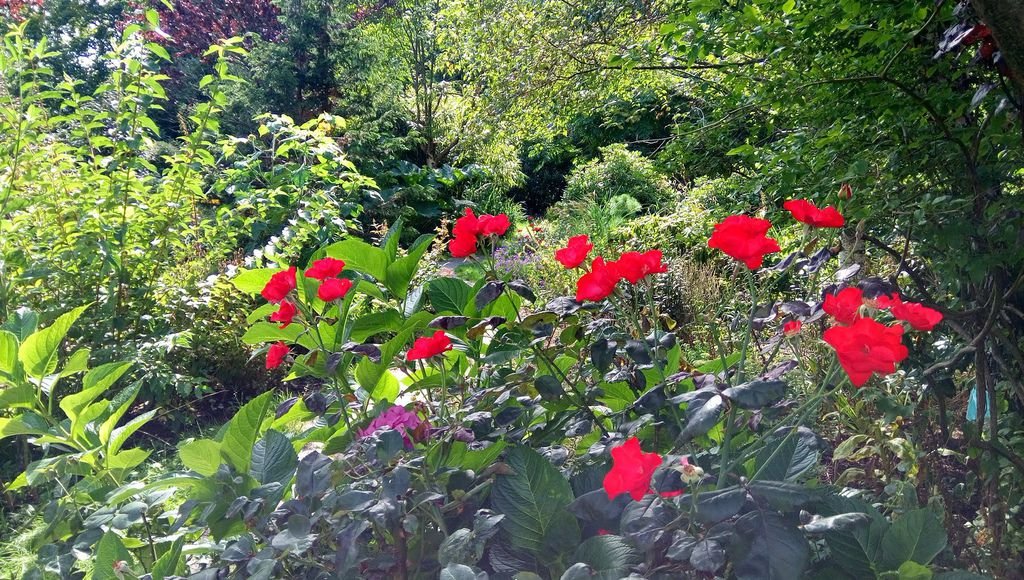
{"points": [[845, 191]]}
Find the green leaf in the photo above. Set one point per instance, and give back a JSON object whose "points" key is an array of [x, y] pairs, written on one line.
{"points": [[109, 552], [756, 394], [795, 457], [774, 549], [533, 499], [253, 281], [269, 332], [78, 362], [38, 353], [8, 352], [401, 271], [170, 562], [917, 535], [856, 551], [94, 384], [201, 456], [449, 295], [244, 429], [273, 459], [21, 396], [609, 557], [913, 571], [121, 434], [26, 424], [360, 256], [126, 398]]}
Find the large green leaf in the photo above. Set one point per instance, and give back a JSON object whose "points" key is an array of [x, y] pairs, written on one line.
{"points": [[21, 396], [25, 424], [401, 271], [8, 352], [534, 498], [609, 557], [794, 457], [38, 353], [109, 552], [360, 256], [857, 551], [170, 563], [201, 456], [449, 295], [121, 434], [124, 400], [244, 429], [774, 548], [273, 459], [253, 281], [916, 536], [94, 384], [269, 332]]}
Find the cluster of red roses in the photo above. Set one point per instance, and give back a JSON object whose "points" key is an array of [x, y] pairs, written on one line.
{"points": [[280, 286], [602, 277], [865, 346], [469, 228]]}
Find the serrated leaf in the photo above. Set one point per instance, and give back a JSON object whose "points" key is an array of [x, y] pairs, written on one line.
{"points": [[534, 498], [273, 459], [201, 456], [448, 295]]}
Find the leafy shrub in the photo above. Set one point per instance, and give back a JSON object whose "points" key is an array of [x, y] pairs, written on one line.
{"points": [[619, 171]]}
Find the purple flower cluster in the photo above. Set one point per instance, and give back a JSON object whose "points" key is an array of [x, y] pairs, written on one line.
{"points": [[515, 258], [397, 418]]}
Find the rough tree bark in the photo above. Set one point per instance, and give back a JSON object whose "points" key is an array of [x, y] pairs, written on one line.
{"points": [[1006, 20]]}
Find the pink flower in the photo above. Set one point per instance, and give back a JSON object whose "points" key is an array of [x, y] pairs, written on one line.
{"points": [[397, 418]]}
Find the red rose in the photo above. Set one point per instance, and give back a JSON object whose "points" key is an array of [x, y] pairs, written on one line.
{"points": [[845, 191], [867, 347], [575, 252], [845, 306], [494, 225], [634, 266], [792, 328], [462, 245], [280, 285], [428, 346], [276, 354], [325, 268], [631, 470], [806, 212], [919, 316], [468, 225], [743, 238], [333, 289], [599, 282], [285, 313]]}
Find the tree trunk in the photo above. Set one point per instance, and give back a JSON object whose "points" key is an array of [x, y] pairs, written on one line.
{"points": [[1006, 20]]}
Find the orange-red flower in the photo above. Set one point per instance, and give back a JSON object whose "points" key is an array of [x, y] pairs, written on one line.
{"points": [[467, 225], [333, 289], [792, 328], [428, 346], [599, 282], [634, 266], [743, 238], [806, 212], [631, 470], [919, 316], [575, 252], [867, 347], [284, 314], [325, 268], [280, 285], [494, 225], [845, 306], [276, 354]]}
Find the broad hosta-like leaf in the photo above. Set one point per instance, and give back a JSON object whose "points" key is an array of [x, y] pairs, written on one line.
{"points": [[38, 353], [360, 256], [401, 271], [917, 536], [273, 459], [109, 551], [253, 281], [244, 429], [534, 498], [201, 456], [170, 563], [8, 352]]}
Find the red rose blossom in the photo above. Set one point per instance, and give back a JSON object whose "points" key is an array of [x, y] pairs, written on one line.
{"points": [[467, 225], [806, 212], [333, 289], [792, 328], [494, 225], [845, 306], [919, 316], [575, 252], [462, 245], [280, 285], [325, 268], [276, 354], [284, 314], [867, 347], [428, 346], [743, 238], [599, 282], [631, 470], [634, 266]]}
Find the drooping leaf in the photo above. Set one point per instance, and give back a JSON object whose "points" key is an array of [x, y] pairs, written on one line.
{"points": [[244, 429], [448, 295], [701, 416], [789, 459], [38, 353]]}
